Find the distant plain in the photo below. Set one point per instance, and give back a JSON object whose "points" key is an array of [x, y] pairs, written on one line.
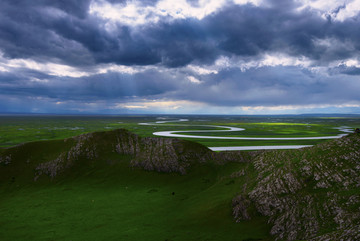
{"points": [[15, 130]]}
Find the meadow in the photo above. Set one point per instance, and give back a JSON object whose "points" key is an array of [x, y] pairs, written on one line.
{"points": [[107, 199], [19, 129]]}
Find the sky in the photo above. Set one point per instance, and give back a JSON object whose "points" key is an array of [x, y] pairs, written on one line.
{"points": [[180, 57]]}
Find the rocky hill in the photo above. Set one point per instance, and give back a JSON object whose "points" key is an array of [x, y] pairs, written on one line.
{"points": [[51, 158], [159, 154], [309, 194]]}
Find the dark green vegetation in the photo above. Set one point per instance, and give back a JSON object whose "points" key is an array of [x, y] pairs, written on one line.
{"points": [[117, 186], [19, 129], [98, 190]]}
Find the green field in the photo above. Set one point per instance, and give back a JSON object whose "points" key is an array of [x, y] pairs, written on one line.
{"points": [[19, 129], [105, 199]]}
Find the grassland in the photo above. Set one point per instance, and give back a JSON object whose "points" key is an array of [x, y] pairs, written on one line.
{"points": [[19, 129], [102, 201], [105, 198]]}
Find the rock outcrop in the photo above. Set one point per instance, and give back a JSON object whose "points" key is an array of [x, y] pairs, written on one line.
{"points": [[149, 153], [309, 191], [153, 154]]}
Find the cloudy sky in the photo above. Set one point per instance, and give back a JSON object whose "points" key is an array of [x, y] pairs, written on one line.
{"points": [[180, 57]]}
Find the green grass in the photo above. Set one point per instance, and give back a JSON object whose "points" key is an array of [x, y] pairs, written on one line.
{"points": [[115, 202]]}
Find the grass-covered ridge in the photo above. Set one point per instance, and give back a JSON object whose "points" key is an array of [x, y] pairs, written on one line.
{"points": [[102, 192], [116, 185]]}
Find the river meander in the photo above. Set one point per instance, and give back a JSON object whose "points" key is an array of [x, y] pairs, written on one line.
{"points": [[344, 129]]}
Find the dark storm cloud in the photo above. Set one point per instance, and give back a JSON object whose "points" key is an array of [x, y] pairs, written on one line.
{"points": [[265, 86], [271, 86], [64, 32], [343, 69], [45, 34], [38, 30], [284, 5], [351, 71], [97, 87], [24, 32], [181, 42], [19, 8]]}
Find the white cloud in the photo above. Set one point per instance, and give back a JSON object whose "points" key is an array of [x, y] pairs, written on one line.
{"points": [[10, 65], [202, 70], [351, 10], [134, 13], [351, 63], [339, 10], [133, 106], [254, 2], [194, 80], [130, 13], [154, 106], [266, 59], [322, 5], [104, 68], [32, 79], [292, 108]]}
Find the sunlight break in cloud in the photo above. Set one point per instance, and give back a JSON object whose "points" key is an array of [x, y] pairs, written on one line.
{"points": [[50, 68], [160, 105], [194, 80], [55, 69]]}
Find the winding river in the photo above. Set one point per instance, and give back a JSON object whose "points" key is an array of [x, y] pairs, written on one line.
{"points": [[344, 129]]}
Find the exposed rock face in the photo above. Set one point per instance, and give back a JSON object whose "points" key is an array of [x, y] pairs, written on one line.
{"points": [[232, 156], [240, 208], [305, 192], [5, 160], [153, 154], [149, 153], [83, 148], [167, 155]]}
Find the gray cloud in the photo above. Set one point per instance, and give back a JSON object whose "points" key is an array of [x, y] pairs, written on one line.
{"points": [[343, 69], [64, 32], [272, 86], [265, 86], [97, 87], [38, 31]]}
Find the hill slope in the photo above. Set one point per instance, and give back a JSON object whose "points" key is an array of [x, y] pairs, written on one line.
{"points": [[311, 193], [152, 154], [94, 187]]}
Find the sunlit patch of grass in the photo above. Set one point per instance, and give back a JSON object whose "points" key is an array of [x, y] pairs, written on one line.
{"points": [[334, 118], [283, 124]]}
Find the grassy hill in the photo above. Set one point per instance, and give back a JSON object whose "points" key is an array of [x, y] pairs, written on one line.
{"points": [[117, 186]]}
